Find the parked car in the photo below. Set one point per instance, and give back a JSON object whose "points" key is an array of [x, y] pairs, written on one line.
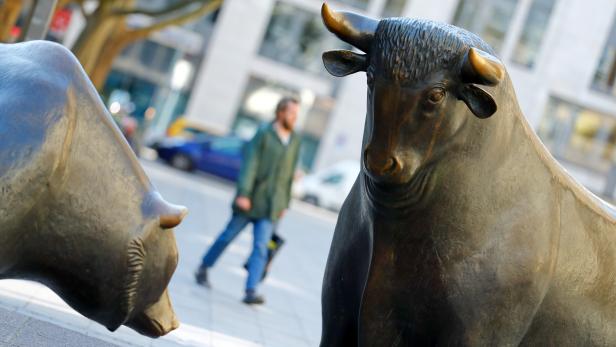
{"points": [[328, 187], [220, 156]]}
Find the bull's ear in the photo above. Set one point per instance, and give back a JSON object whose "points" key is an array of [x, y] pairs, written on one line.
{"points": [[341, 63], [478, 101]]}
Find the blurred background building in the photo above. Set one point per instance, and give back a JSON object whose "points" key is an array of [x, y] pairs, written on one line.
{"points": [[226, 72], [561, 55]]}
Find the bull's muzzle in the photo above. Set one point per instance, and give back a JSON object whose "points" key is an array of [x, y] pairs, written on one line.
{"points": [[157, 320], [381, 164]]}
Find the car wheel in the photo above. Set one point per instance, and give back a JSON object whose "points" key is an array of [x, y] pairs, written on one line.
{"points": [[311, 199], [182, 162]]}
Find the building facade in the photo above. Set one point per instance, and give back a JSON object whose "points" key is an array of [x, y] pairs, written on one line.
{"points": [[561, 55]]}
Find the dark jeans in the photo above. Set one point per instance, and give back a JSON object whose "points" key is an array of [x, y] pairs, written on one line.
{"points": [[262, 229]]}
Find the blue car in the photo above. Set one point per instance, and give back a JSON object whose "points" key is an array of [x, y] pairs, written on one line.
{"points": [[220, 156]]}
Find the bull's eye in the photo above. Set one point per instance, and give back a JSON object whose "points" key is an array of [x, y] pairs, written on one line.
{"points": [[436, 95]]}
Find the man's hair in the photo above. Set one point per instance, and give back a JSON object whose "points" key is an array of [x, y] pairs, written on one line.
{"points": [[284, 102]]}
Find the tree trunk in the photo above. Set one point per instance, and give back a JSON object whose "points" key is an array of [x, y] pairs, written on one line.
{"points": [[100, 26], [9, 13], [113, 47]]}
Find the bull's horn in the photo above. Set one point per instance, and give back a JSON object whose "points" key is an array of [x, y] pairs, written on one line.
{"points": [[350, 27], [482, 68]]}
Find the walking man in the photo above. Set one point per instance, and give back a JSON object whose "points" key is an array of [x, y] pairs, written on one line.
{"points": [[263, 194]]}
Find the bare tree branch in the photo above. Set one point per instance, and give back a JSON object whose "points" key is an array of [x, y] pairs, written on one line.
{"points": [[203, 10], [123, 37], [160, 12]]}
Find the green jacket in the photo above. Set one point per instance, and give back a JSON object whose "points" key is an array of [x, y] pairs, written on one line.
{"points": [[267, 173]]}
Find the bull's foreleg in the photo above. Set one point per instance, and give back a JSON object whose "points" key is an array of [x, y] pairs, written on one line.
{"points": [[343, 283]]}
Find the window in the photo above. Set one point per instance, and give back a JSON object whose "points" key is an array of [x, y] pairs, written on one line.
{"points": [[605, 76], [298, 38], [393, 8], [488, 19], [579, 135], [156, 56], [536, 22]]}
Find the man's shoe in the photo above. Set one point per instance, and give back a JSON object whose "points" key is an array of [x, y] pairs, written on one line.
{"points": [[201, 277], [253, 298]]}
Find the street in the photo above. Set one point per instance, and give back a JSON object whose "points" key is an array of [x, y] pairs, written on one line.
{"points": [[216, 317]]}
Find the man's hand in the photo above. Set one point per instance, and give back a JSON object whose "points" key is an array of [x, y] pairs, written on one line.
{"points": [[243, 203], [281, 214]]}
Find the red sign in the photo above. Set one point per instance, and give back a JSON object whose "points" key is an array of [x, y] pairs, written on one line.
{"points": [[15, 31], [61, 20]]}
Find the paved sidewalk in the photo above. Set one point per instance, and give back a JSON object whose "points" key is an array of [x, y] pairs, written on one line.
{"points": [[291, 316], [18, 330]]}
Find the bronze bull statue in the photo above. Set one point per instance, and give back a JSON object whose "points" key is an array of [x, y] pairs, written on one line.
{"points": [[78, 213], [461, 229]]}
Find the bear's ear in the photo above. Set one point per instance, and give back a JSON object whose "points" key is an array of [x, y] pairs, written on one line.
{"points": [[478, 101], [342, 62]]}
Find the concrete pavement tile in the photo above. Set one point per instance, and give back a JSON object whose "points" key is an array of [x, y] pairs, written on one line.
{"points": [[286, 341], [10, 318], [31, 340], [242, 329], [283, 323], [123, 336], [225, 295], [80, 340], [36, 333], [236, 311], [282, 340], [199, 306], [187, 335], [193, 317], [7, 332], [165, 343], [222, 340], [278, 302], [226, 330], [63, 316], [312, 328]]}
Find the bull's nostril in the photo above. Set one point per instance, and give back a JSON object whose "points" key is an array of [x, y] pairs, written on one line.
{"points": [[391, 166]]}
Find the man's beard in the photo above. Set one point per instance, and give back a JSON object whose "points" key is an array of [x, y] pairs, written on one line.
{"points": [[285, 125]]}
